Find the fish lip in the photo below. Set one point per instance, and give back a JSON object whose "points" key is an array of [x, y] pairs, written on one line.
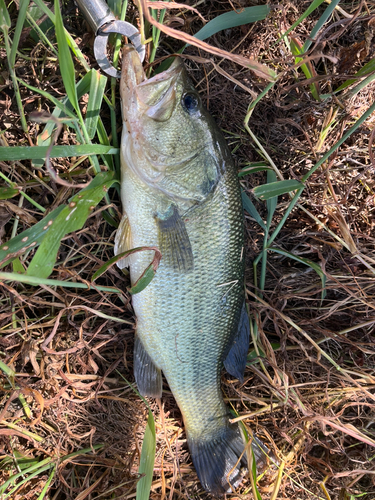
{"points": [[172, 72], [134, 81]]}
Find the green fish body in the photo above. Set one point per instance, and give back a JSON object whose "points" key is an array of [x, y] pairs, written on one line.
{"points": [[180, 193]]}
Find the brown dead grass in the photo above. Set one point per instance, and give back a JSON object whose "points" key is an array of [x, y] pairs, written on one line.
{"points": [[317, 419]]}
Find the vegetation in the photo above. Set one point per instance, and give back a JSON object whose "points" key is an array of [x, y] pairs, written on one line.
{"points": [[292, 85]]}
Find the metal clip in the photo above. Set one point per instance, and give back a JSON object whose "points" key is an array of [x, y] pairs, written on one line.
{"points": [[103, 22]]}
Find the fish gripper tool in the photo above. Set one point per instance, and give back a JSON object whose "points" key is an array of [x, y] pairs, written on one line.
{"points": [[103, 22]]}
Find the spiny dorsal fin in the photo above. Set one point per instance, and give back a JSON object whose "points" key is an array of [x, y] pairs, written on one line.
{"points": [[123, 241], [174, 241]]}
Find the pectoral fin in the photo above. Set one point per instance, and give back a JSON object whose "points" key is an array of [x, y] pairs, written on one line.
{"points": [[174, 241], [147, 375], [123, 241], [235, 362]]}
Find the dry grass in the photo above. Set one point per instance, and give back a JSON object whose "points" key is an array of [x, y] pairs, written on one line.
{"points": [[311, 396]]}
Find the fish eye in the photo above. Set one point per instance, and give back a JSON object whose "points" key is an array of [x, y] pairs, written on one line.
{"points": [[190, 102]]}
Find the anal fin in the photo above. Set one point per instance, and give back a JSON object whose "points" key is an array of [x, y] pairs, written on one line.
{"points": [[235, 362], [174, 241], [147, 375], [123, 241]]}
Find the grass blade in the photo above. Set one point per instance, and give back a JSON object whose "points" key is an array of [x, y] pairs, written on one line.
{"points": [[146, 278], [59, 104], [44, 138], [146, 465], [46, 486], [319, 25], [71, 218], [72, 43], [97, 87], [307, 262], [369, 67], [253, 168], [104, 140], [39, 466], [8, 192], [65, 59], [250, 208], [307, 68], [313, 6], [35, 281], [28, 239], [5, 23], [233, 19], [271, 202], [24, 5], [362, 85], [267, 191], [14, 153]]}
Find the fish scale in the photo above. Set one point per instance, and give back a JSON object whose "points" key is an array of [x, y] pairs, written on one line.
{"points": [[183, 196]]}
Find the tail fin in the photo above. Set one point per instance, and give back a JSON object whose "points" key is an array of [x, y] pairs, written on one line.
{"points": [[214, 459]]}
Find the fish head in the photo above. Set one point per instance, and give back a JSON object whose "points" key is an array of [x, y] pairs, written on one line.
{"points": [[169, 139]]}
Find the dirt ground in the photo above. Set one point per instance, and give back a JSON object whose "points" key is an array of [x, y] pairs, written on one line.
{"points": [[310, 394]]}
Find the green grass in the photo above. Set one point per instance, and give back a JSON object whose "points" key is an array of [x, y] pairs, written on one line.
{"points": [[96, 138]]}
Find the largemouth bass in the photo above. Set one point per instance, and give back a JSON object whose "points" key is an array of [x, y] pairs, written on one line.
{"points": [[180, 192]]}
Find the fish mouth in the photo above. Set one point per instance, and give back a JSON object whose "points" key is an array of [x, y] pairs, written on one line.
{"points": [[156, 96]]}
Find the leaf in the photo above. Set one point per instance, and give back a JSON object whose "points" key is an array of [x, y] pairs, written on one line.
{"points": [[233, 19], [271, 202], [17, 266], [35, 281], [71, 42], [5, 23], [361, 85], [39, 467], [40, 24], [59, 104], [44, 138], [307, 262], [368, 68], [147, 275], [307, 68], [267, 191], [250, 208], [30, 238], [14, 153], [47, 484], [146, 465], [65, 59], [97, 87], [259, 69], [314, 5], [319, 25], [143, 281], [71, 218], [104, 140], [23, 8], [8, 192], [155, 261], [253, 168]]}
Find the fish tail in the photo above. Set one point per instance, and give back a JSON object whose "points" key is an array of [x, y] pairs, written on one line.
{"points": [[217, 460]]}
